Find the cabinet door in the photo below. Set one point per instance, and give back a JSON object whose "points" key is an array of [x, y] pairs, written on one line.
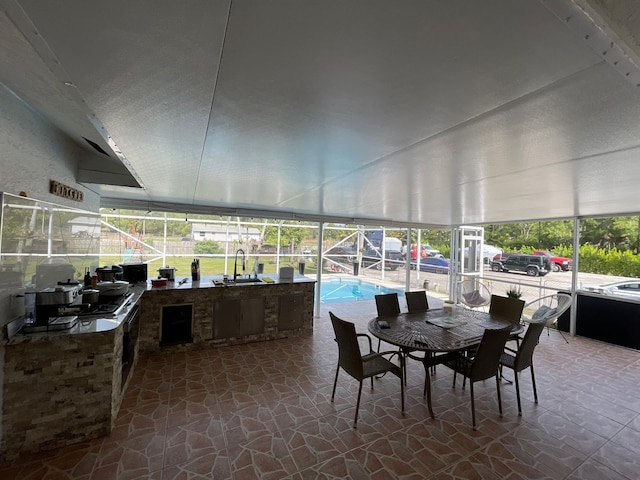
{"points": [[290, 311], [252, 317], [226, 318]]}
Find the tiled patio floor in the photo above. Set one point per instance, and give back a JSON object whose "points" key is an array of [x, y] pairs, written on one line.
{"points": [[263, 411]]}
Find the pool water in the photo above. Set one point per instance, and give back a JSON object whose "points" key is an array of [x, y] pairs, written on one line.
{"points": [[337, 290]]}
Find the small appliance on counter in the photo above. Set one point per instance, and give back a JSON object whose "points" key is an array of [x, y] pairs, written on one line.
{"points": [[134, 272], [167, 272], [49, 302]]}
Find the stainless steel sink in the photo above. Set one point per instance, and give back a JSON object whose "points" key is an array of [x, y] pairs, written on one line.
{"points": [[245, 281]]}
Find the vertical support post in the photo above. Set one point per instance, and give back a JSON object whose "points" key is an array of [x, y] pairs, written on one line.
{"points": [[454, 269], [574, 276], [319, 267], [164, 241], [407, 263], [226, 248]]}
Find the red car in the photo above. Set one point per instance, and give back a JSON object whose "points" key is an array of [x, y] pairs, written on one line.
{"points": [[557, 263]]}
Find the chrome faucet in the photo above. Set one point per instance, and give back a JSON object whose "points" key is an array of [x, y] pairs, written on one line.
{"points": [[235, 264]]}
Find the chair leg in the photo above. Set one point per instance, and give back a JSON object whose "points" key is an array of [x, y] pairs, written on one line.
{"points": [[403, 367], [355, 420], [427, 391], [499, 395], [533, 382], [335, 382], [473, 406], [563, 337], [515, 376]]}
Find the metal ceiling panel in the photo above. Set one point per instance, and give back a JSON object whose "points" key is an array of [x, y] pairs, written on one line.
{"points": [[414, 111]]}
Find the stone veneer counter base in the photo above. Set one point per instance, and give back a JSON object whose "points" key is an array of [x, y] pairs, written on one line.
{"points": [[225, 315]]}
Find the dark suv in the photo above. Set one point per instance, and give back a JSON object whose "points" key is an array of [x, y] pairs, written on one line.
{"points": [[532, 265], [373, 257]]}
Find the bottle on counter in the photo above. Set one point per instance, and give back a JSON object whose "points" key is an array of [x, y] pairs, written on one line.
{"points": [[87, 278]]}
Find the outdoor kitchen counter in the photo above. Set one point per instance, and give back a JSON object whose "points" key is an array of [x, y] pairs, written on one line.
{"points": [[609, 318], [66, 386], [196, 314]]}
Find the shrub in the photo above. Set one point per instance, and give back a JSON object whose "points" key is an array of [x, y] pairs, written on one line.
{"points": [[207, 247]]}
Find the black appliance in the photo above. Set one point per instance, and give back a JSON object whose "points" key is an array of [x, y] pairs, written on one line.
{"points": [[131, 330], [134, 272]]}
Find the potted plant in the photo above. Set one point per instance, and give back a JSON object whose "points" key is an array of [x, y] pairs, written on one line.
{"points": [[514, 292]]}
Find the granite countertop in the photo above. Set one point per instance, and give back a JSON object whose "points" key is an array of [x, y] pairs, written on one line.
{"points": [[216, 281], [86, 324]]}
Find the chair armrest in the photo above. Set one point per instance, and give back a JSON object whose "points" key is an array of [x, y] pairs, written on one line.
{"points": [[389, 352], [368, 339]]}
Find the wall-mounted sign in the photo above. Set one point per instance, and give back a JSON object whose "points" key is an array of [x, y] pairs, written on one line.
{"points": [[64, 191]]}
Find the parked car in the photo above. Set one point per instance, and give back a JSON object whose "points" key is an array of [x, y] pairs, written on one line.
{"points": [[432, 264], [341, 254], [625, 287], [532, 265], [497, 261], [425, 251], [373, 258], [557, 263]]}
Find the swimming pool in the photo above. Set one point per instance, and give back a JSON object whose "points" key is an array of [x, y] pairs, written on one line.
{"points": [[337, 290]]}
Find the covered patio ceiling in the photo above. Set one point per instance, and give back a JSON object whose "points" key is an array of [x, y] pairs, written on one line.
{"points": [[406, 112]]}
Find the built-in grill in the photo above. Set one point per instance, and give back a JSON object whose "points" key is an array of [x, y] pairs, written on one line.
{"points": [[106, 307]]}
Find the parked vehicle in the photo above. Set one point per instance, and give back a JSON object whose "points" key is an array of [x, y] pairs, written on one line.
{"points": [[373, 258], [625, 287], [557, 263], [341, 254], [425, 251], [532, 265], [497, 261], [432, 264]]}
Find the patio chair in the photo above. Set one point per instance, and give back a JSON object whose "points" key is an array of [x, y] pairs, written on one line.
{"points": [[387, 305], [508, 309], [523, 358], [482, 365], [473, 293], [359, 366], [547, 309], [417, 301]]}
